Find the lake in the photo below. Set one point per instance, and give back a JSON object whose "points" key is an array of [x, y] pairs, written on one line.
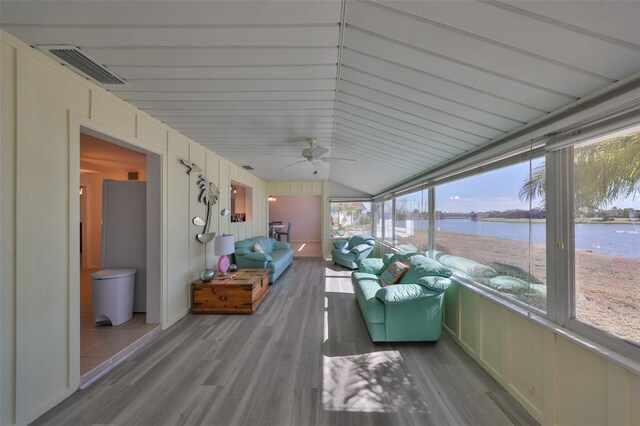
{"points": [[612, 239]]}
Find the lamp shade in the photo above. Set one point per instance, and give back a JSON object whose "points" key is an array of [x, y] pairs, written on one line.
{"points": [[223, 245]]}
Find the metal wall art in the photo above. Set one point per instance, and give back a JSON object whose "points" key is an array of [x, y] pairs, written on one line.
{"points": [[209, 194]]}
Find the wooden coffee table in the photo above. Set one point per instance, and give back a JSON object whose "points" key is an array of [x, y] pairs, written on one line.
{"points": [[240, 292]]}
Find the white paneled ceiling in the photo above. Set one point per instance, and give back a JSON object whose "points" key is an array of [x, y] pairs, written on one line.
{"points": [[405, 87]]}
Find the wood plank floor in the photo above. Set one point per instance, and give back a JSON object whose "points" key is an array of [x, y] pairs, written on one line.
{"points": [[304, 358]]}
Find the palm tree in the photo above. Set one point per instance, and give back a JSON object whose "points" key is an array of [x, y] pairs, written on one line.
{"points": [[209, 194], [604, 172]]}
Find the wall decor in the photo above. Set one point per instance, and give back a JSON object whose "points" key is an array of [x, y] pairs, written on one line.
{"points": [[209, 194], [191, 166]]}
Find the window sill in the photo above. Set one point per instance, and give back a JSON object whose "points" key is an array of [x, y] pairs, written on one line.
{"points": [[572, 336]]}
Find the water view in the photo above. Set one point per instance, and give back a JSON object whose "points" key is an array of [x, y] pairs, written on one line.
{"points": [[611, 239]]}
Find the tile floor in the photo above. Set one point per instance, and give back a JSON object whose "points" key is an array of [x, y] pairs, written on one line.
{"points": [[102, 347]]}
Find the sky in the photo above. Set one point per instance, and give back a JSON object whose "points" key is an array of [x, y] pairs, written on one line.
{"points": [[494, 190]]}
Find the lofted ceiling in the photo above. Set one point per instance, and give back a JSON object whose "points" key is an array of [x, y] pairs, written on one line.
{"points": [[402, 87]]}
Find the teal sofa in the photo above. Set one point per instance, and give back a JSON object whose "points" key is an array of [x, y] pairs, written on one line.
{"points": [[410, 310], [276, 256], [349, 252]]}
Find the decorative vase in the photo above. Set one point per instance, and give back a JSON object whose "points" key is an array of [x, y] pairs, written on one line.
{"points": [[207, 275]]}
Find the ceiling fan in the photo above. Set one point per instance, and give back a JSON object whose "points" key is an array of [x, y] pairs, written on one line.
{"points": [[314, 155]]}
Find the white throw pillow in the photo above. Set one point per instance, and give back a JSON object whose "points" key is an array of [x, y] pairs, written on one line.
{"points": [[257, 248]]}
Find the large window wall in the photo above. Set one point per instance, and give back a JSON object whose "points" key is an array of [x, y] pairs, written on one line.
{"points": [[491, 229], [350, 218], [412, 221]]}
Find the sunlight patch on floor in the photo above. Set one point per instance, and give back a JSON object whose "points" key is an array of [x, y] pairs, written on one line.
{"points": [[338, 286], [326, 320], [371, 382]]}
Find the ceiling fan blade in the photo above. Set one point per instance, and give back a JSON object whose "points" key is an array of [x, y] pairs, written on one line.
{"points": [[293, 164], [337, 158], [319, 151]]}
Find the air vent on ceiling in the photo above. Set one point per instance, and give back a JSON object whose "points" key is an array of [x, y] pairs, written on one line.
{"points": [[83, 64], [248, 167]]}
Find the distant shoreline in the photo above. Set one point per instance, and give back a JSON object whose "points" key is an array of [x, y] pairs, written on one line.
{"points": [[615, 221]]}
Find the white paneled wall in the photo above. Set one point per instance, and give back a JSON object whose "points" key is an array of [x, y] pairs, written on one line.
{"points": [[557, 380], [178, 250], [44, 107]]}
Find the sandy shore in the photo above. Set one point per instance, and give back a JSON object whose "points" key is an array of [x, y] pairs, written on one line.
{"points": [[614, 221], [608, 287]]}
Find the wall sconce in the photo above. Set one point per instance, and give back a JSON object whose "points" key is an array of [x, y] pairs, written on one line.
{"points": [[271, 198]]}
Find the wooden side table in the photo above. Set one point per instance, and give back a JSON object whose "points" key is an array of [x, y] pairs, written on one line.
{"points": [[240, 292]]}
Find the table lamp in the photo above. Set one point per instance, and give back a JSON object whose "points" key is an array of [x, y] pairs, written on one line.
{"points": [[223, 246]]}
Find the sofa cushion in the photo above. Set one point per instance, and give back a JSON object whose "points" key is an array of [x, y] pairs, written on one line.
{"points": [[265, 242], [259, 257], [358, 275], [421, 266], [393, 273], [468, 266], [371, 265], [360, 248], [372, 308], [433, 283], [245, 245], [402, 256], [344, 254], [508, 284], [340, 244], [241, 251], [360, 239], [401, 293]]}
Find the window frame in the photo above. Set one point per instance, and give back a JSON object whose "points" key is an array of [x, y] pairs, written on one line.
{"points": [[565, 262]]}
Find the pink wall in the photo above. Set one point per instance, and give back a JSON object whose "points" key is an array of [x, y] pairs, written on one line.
{"points": [[303, 211]]}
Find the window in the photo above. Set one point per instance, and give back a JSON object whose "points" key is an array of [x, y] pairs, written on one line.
{"points": [[350, 218], [412, 221], [377, 217], [607, 234], [490, 230], [387, 213]]}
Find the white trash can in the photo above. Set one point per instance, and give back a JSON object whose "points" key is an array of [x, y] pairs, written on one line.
{"points": [[112, 294]]}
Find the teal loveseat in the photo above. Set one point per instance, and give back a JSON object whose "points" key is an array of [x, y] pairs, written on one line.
{"points": [[276, 256], [349, 252], [410, 310]]}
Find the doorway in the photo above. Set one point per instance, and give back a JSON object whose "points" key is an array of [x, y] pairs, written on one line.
{"points": [[117, 233], [304, 212]]}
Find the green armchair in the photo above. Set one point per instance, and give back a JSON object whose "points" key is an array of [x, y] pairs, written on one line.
{"points": [[349, 252]]}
